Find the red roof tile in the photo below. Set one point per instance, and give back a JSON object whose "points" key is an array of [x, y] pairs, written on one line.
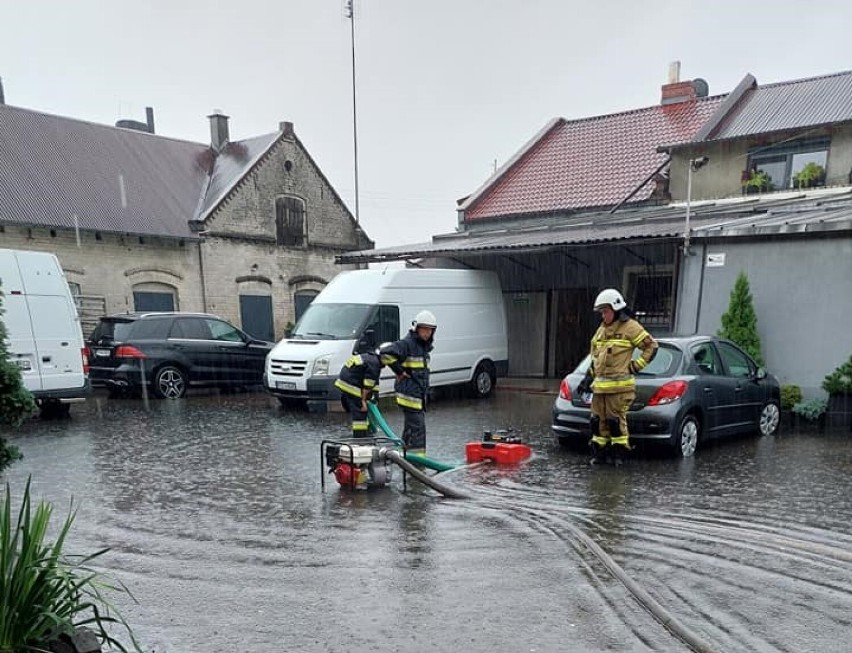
{"points": [[592, 162]]}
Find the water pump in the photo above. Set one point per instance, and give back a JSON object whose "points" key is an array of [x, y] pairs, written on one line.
{"points": [[358, 464]]}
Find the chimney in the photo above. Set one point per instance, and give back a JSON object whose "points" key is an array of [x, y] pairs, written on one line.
{"points": [[286, 128], [2, 97], [218, 130], [147, 126], [676, 91], [149, 118]]}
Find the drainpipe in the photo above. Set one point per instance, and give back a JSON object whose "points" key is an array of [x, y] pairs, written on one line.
{"points": [[201, 272]]}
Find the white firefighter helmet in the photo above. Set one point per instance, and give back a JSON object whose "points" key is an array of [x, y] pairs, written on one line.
{"points": [[610, 297], [425, 318]]}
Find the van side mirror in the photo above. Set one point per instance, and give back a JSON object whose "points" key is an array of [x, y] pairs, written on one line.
{"points": [[367, 342]]}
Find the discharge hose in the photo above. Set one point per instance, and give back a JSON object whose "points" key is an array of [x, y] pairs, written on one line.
{"points": [[427, 479]]}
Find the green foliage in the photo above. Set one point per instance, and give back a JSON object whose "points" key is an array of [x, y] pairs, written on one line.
{"points": [[759, 181], [811, 410], [790, 396], [288, 329], [839, 382], [739, 322], [43, 592], [16, 402], [813, 174]]}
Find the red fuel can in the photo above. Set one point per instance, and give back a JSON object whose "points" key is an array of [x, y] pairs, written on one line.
{"points": [[501, 453]]}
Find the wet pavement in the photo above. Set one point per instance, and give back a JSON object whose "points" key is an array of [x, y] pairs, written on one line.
{"points": [[214, 513]]}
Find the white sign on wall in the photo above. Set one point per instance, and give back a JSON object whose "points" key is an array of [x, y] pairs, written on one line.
{"points": [[716, 260]]}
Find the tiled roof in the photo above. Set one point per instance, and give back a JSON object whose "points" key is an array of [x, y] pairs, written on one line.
{"points": [[55, 171], [788, 105], [593, 162], [774, 213]]}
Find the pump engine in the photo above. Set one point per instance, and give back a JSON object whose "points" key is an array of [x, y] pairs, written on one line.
{"points": [[358, 466]]}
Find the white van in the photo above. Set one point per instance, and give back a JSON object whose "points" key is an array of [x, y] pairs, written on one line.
{"points": [[43, 332], [379, 306]]}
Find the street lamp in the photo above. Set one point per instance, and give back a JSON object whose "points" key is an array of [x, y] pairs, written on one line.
{"points": [[694, 165]]}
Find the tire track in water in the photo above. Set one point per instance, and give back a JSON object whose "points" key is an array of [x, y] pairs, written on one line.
{"points": [[809, 566]]}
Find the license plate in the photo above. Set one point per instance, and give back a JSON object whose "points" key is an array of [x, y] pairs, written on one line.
{"points": [[104, 353], [23, 364], [285, 385]]}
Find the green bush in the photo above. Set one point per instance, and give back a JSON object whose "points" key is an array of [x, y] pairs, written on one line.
{"points": [[739, 322], [839, 382], [16, 402], [811, 410], [790, 396], [44, 593]]}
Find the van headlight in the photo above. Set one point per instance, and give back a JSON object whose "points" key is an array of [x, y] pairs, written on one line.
{"points": [[321, 366]]}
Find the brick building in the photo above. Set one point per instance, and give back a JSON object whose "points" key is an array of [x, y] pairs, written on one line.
{"points": [[247, 230]]}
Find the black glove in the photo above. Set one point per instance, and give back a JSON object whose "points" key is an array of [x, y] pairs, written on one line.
{"points": [[585, 386]]}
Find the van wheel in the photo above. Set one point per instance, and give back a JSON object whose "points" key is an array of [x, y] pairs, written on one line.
{"points": [[484, 380], [169, 382]]}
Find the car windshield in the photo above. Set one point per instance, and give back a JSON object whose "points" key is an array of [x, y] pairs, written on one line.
{"points": [[664, 362], [332, 321]]}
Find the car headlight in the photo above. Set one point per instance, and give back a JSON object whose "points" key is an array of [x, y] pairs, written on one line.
{"points": [[321, 366]]}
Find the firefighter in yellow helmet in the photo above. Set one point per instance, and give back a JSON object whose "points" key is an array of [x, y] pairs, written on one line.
{"points": [[611, 374]]}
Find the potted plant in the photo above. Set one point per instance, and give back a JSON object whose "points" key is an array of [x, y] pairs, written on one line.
{"points": [[838, 385], [790, 396], [813, 174], [758, 181], [810, 415]]}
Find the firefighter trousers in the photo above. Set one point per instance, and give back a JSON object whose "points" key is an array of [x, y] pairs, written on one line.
{"points": [[361, 427], [414, 429], [609, 418]]}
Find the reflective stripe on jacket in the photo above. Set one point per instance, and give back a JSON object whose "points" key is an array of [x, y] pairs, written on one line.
{"points": [[612, 353], [360, 372], [409, 355]]}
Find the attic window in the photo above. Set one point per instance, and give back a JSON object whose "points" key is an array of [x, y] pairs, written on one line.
{"points": [[290, 221], [783, 162]]}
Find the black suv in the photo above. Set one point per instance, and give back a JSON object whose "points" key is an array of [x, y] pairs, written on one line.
{"points": [[168, 352]]}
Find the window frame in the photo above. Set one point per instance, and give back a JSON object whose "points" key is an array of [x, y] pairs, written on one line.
{"points": [[787, 152], [285, 229]]}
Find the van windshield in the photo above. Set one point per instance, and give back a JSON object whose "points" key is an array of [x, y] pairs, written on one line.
{"points": [[332, 321]]}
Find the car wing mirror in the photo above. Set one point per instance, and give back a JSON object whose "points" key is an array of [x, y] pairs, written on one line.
{"points": [[760, 374]]}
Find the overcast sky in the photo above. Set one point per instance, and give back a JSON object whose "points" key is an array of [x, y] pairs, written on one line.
{"points": [[445, 88]]}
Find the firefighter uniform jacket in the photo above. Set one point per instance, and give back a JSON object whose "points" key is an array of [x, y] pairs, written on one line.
{"points": [[409, 355], [613, 366], [360, 372]]}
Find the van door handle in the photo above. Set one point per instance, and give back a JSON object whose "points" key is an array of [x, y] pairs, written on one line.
{"points": [[46, 359]]}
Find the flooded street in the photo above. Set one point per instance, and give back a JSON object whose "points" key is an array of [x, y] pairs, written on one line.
{"points": [[214, 513]]}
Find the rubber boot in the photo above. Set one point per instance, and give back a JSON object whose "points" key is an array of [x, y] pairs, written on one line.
{"points": [[619, 454], [598, 453]]}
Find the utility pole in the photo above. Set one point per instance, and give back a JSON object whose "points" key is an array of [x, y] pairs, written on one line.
{"points": [[350, 14]]}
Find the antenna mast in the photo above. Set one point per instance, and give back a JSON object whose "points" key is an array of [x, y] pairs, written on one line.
{"points": [[350, 14]]}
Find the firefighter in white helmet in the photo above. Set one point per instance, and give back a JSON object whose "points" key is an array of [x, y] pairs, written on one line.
{"points": [[409, 360], [611, 374]]}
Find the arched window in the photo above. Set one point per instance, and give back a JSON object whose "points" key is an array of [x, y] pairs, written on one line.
{"points": [[153, 297], [290, 221]]}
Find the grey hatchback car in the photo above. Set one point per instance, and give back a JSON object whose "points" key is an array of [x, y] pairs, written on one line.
{"points": [[697, 388]]}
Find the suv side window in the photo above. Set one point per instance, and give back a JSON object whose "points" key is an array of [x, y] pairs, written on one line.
{"points": [[151, 329], [736, 361], [190, 328], [221, 330]]}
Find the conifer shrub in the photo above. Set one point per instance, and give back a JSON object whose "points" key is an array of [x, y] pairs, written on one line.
{"points": [[739, 322]]}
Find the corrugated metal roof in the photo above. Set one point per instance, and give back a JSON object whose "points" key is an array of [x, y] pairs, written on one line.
{"points": [[586, 163], [55, 169], [829, 209], [789, 105]]}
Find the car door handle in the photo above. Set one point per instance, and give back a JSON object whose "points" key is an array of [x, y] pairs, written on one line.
{"points": [[708, 390]]}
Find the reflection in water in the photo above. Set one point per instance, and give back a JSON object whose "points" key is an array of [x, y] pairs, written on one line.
{"points": [[213, 510]]}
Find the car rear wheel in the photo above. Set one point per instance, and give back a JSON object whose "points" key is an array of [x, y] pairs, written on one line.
{"points": [[770, 417], [688, 433], [484, 379], [170, 382]]}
